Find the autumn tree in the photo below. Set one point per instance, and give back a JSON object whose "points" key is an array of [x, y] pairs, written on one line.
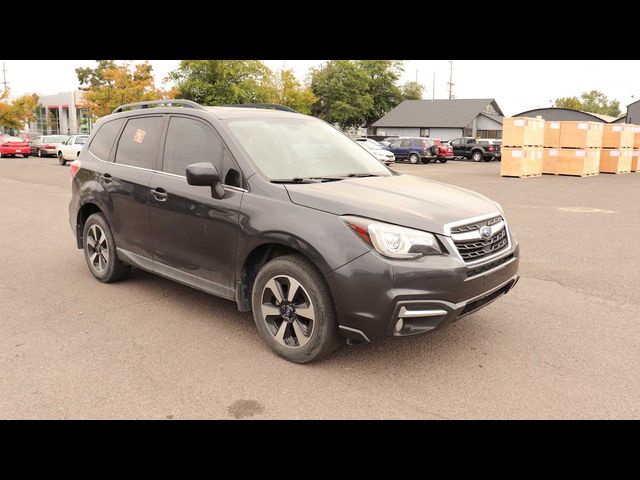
{"points": [[109, 85], [412, 91], [291, 93], [568, 102], [16, 113], [219, 82]]}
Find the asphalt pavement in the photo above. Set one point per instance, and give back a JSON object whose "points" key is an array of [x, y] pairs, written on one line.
{"points": [[565, 343]]}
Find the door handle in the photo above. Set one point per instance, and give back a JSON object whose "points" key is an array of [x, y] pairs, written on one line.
{"points": [[160, 194], [106, 178]]}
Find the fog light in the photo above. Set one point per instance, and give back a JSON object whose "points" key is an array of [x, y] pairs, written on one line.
{"points": [[399, 325]]}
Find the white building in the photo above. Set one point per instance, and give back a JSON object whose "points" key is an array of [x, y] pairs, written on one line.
{"points": [[63, 113]]}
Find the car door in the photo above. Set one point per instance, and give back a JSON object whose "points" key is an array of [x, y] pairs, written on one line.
{"points": [[456, 146], [194, 235], [126, 179], [65, 148], [469, 144]]}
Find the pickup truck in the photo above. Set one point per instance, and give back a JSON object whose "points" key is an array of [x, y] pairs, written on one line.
{"points": [[476, 149]]}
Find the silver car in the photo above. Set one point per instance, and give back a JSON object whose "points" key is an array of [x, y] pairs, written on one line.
{"points": [[47, 145], [378, 151]]}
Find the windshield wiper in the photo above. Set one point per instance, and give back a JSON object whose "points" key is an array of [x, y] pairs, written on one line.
{"points": [[361, 175], [306, 180]]}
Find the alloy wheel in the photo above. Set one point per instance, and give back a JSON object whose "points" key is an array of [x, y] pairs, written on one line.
{"points": [[288, 311], [97, 248]]}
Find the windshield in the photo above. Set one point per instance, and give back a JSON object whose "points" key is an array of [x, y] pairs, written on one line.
{"points": [[285, 148], [80, 140], [55, 138]]}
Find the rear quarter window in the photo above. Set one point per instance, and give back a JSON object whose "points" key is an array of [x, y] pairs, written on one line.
{"points": [[104, 139]]}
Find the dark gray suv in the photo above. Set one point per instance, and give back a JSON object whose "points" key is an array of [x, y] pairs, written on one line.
{"points": [[289, 218]]}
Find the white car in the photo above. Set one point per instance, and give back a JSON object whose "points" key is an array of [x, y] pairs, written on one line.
{"points": [[385, 156], [69, 150]]}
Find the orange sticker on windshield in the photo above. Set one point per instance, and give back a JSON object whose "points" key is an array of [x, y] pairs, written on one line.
{"points": [[139, 136]]}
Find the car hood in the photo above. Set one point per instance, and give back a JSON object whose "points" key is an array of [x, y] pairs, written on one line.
{"points": [[405, 200]]}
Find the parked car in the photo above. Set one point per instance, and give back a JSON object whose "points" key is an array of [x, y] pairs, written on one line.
{"points": [[476, 149], [382, 154], [12, 146], [370, 142], [289, 218], [71, 148], [47, 145], [445, 150], [414, 149]]}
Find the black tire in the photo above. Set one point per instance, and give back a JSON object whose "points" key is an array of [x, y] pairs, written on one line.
{"points": [[414, 158], [476, 156], [442, 160], [487, 159], [61, 159], [114, 269], [40, 153], [25, 155], [324, 338]]}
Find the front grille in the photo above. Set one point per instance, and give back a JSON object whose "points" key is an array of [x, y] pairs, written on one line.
{"points": [[488, 266], [476, 249]]}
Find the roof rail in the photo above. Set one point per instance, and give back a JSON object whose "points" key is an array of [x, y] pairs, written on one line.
{"points": [[273, 106], [165, 101]]}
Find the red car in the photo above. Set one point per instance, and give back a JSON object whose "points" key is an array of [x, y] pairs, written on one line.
{"points": [[445, 150], [12, 146]]}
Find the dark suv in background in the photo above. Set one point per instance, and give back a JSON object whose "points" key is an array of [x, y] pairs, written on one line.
{"points": [[477, 149], [288, 217], [414, 149]]}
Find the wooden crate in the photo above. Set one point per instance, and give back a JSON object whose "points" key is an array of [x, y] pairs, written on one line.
{"points": [[578, 161], [636, 136], [522, 131], [551, 134], [616, 160], [550, 160], [635, 160], [521, 162], [581, 134], [618, 135]]}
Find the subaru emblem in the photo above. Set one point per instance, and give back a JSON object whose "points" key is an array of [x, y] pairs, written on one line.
{"points": [[485, 232]]}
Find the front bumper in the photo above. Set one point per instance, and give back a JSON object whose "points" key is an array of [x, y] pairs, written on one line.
{"points": [[372, 293]]}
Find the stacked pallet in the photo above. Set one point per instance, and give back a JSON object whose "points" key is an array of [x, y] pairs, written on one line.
{"points": [[551, 143], [579, 149], [617, 148], [522, 142], [635, 158]]}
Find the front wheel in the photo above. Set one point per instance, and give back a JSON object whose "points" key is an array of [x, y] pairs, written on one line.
{"points": [[61, 159], [293, 310], [40, 153], [100, 251], [476, 156], [413, 158], [442, 160]]}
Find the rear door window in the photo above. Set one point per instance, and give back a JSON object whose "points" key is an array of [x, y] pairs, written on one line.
{"points": [[105, 137], [139, 141], [190, 141], [405, 143]]}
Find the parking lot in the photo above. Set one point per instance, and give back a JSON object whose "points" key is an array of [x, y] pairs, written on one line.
{"points": [[565, 343]]}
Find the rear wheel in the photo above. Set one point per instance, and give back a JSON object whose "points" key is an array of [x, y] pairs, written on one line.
{"points": [[100, 251], [442, 160], [293, 310], [476, 156], [413, 158], [61, 159], [40, 153]]}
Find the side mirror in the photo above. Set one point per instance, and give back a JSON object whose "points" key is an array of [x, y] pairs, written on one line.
{"points": [[205, 175]]}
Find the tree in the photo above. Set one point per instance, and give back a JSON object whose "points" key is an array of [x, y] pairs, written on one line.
{"points": [[412, 91], [289, 92], [597, 102], [594, 102], [568, 102], [342, 88], [385, 94], [109, 85], [219, 82], [14, 114]]}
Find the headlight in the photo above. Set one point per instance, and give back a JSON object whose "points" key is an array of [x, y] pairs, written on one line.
{"points": [[393, 241]]}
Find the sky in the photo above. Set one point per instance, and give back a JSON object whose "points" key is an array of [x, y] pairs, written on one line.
{"points": [[517, 85]]}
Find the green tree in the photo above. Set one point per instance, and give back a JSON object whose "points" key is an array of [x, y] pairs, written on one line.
{"points": [[412, 91], [568, 102], [218, 82], [14, 114], [597, 102], [382, 78], [291, 93], [109, 85]]}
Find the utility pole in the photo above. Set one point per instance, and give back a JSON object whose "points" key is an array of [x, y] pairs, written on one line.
{"points": [[4, 75], [433, 88], [450, 82]]}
